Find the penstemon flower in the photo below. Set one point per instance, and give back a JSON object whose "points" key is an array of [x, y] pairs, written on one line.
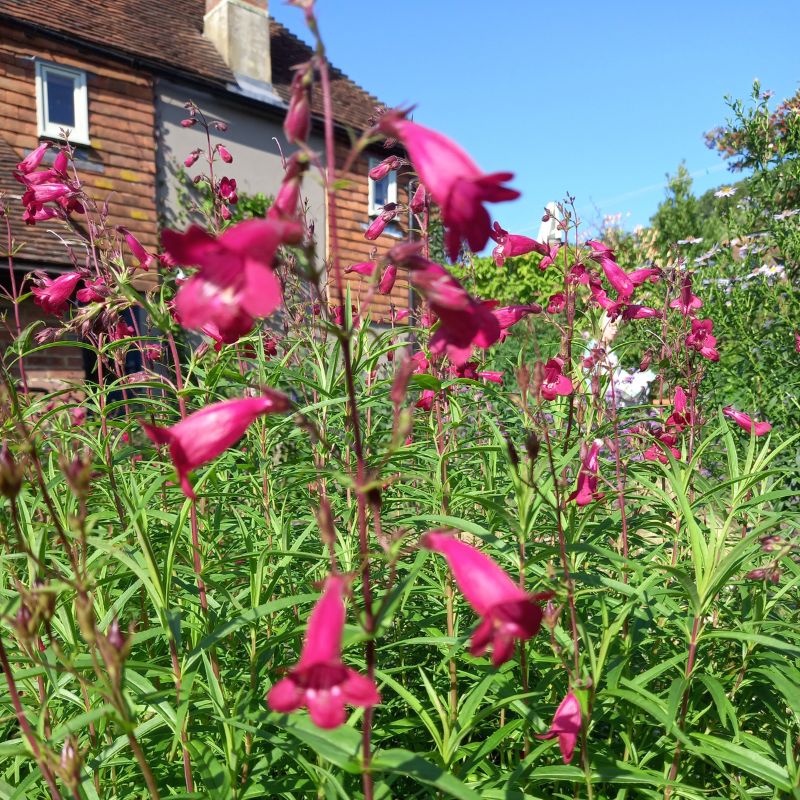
{"points": [[202, 436], [745, 422], [235, 282], [566, 726], [453, 180], [508, 612], [320, 681]]}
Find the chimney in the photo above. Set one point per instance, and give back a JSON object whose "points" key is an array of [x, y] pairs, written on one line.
{"points": [[240, 31]]}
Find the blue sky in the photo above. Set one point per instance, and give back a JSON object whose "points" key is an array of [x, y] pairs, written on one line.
{"points": [[598, 99]]}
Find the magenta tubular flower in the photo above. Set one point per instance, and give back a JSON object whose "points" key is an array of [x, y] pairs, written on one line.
{"points": [[679, 418], [297, 123], [510, 315], [555, 382], [145, 259], [492, 377], [657, 452], [385, 167], [320, 681], [454, 181], [600, 296], [599, 251], [686, 302], [419, 200], [464, 322], [556, 303], [702, 340], [388, 279], [53, 294], [36, 213], [587, 477], [639, 276], [191, 159], [365, 268], [550, 256], [202, 436], [508, 612], [224, 154], [510, 245], [92, 292], [235, 282], [426, 399], [797, 341], [381, 221], [634, 311], [39, 193], [746, 422], [33, 159], [618, 278], [288, 196], [566, 726]]}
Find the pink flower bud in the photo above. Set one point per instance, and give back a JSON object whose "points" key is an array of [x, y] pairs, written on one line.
{"points": [[191, 159], [188, 123], [224, 154]]}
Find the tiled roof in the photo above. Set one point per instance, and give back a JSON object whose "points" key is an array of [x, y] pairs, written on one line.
{"points": [[165, 33], [42, 248], [352, 105], [168, 35]]}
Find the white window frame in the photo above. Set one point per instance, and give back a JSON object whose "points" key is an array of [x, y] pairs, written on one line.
{"points": [[52, 130], [391, 193]]}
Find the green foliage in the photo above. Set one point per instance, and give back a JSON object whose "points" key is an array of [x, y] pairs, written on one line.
{"points": [[518, 281]]}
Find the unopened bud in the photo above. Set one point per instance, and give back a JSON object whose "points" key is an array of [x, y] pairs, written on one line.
{"points": [[10, 474], [327, 530], [532, 446], [550, 615], [188, 123], [69, 766], [513, 456], [400, 382], [25, 623]]}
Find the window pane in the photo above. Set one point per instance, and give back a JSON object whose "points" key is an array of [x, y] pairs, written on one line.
{"points": [[381, 191], [60, 99]]}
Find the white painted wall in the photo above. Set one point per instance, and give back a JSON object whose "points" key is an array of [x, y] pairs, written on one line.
{"points": [[251, 139]]}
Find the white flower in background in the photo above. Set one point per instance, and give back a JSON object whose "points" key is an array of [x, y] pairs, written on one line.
{"points": [[691, 240], [786, 214], [725, 191]]}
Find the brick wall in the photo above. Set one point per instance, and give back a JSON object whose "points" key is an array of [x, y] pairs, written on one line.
{"points": [[352, 221], [50, 369], [119, 165], [120, 161]]}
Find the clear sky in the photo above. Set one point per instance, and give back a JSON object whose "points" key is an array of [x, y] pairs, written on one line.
{"points": [[599, 99]]}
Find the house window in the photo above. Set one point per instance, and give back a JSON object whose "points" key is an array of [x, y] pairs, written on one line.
{"points": [[61, 102], [383, 191]]}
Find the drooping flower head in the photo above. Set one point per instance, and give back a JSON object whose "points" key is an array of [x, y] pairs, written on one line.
{"points": [[202, 436], [566, 726], [297, 123], [145, 259], [464, 321], [702, 340], [746, 422], [510, 245], [587, 477], [555, 383], [453, 180], [508, 612], [320, 681], [235, 282], [53, 295], [686, 302]]}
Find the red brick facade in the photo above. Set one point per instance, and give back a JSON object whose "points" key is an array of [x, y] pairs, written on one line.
{"points": [[119, 165]]}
